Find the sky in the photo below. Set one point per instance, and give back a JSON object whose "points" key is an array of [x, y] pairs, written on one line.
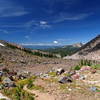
{"points": [[49, 22]]}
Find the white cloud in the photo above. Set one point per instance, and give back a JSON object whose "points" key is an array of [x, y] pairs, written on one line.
{"points": [[55, 42], [43, 23], [8, 8], [61, 17], [38, 44], [27, 37], [37, 24], [4, 31], [12, 14]]}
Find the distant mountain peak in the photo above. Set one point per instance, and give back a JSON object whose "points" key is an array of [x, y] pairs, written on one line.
{"points": [[90, 50], [77, 45]]}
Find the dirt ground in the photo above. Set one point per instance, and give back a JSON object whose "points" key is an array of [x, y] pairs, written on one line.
{"points": [[48, 64], [77, 90]]}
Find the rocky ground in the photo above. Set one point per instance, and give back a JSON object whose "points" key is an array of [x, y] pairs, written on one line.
{"points": [[85, 86], [58, 82], [16, 58], [80, 82]]}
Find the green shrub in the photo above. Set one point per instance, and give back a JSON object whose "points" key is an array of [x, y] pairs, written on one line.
{"points": [[77, 67], [22, 82], [37, 87], [30, 83], [97, 66], [85, 63], [53, 74], [18, 94]]}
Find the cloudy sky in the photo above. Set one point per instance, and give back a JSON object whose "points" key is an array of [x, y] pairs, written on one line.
{"points": [[49, 22]]}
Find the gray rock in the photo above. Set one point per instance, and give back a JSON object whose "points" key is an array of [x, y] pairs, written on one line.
{"points": [[93, 89], [60, 71], [66, 80]]}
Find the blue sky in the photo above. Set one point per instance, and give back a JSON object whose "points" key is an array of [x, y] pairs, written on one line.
{"points": [[49, 22]]}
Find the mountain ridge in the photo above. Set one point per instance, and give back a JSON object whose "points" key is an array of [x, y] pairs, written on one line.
{"points": [[90, 50]]}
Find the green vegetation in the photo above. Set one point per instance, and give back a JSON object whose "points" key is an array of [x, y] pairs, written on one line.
{"points": [[97, 90], [26, 81], [22, 82], [38, 53], [18, 93], [36, 87], [50, 55], [85, 63], [77, 67], [30, 83], [63, 51], [97, 66], [12, 46], [63, 86], [29, 51], [53, 74]]}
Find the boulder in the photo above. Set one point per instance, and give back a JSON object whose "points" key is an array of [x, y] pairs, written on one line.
{"points": [[75, 76], [8, 82], [82, 77], [66, 80], [72, 72], [85, 68], [1, 73], [60, 71], [93, 71], [93, 89]]}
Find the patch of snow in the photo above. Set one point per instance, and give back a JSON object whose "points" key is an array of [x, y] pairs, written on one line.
{"points": [[2, 44], [3, 97]]}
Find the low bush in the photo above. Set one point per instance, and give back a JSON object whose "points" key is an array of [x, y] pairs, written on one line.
{"points": [[85, 63], [18, 93], [53, 74], [97, 66], [77, 67]]}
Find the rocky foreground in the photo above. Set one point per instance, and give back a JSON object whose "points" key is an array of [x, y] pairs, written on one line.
{"points": [[81, 82], [25, 76]]}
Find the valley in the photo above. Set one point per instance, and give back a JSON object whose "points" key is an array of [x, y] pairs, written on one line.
{"points": [[35, 75]]}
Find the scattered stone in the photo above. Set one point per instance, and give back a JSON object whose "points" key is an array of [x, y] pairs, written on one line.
{"points": [[82, 77], [60, 71], [8, 83], [1, 73], [70, 89], [72, 72], [93, 89], [2, 97], [76, 76], [93, 71], [45, 76], [85, 68], [66, 80]]}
